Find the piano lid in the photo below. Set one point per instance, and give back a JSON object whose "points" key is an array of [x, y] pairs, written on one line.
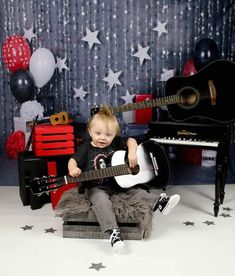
{"points": [[199, 131]]}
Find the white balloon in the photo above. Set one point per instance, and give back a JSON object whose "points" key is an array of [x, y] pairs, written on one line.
{"points": [[42, 66]]}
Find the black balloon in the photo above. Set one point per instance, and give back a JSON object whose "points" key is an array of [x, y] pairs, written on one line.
{"points": [[22, 85], [206, 51]]}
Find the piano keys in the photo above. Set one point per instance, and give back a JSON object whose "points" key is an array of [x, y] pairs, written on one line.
{"points": [[203, 135]]}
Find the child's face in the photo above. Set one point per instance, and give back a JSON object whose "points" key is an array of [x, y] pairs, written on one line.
{"points": [[102, 133]]}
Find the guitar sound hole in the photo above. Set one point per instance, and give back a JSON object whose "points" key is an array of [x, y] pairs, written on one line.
{"points": [[188, 97], [135, 170]]}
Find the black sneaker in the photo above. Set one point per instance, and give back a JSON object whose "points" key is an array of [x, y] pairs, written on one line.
{"points": [[116, 240], [166, 203]]}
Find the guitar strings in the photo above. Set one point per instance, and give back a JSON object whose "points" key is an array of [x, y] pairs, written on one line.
{"points": [[52, 180]]}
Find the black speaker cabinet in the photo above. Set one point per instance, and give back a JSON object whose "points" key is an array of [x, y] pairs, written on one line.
{"points": [[30, 166]]}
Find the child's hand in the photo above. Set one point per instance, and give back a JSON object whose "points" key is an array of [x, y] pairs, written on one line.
{"points": [[132, 158], [75, 171]]}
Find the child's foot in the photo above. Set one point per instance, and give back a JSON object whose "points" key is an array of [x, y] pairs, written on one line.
{"points": [[166, 203], [116, 241]]}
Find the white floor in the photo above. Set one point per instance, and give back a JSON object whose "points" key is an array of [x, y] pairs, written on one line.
{"points": [[174, 248]]}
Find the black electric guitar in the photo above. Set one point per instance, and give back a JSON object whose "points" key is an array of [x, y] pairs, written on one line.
{"points": [[152, 171], [207, 94]]}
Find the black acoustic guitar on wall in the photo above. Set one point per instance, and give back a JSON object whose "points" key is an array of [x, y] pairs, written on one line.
{"points": [[207, 94]]}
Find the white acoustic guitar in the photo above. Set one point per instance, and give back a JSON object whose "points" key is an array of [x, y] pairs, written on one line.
{"points": [[152, 171]]}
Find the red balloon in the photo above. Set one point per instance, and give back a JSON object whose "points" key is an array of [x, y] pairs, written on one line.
{"points": [[16, 53], [189, 68]]}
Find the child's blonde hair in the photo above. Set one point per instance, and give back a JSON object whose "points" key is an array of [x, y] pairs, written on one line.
{"points": [[105, 114]]}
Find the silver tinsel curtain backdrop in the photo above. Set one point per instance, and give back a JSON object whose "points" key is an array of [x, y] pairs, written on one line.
{"points": [[166, 31]]}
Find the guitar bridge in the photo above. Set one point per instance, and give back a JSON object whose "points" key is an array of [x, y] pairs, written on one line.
{"points": [[212, 92]]}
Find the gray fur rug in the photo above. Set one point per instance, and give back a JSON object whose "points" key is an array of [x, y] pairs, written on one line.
{"points": [[126, 208]]}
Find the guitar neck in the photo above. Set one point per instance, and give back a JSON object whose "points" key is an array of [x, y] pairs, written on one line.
{"points": [[174, 99], [122, 169], [31, 134], [52, 183]]}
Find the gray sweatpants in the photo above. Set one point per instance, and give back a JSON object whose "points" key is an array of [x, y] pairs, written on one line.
{"points": [[102, 205]]}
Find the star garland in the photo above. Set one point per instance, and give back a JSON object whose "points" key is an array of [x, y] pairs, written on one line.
{"points": [[91, 37], [112, 78], [29, 34], [128, 98], [161, 28], [60, 64], [142, 53], [167, 74], [79, 93]]}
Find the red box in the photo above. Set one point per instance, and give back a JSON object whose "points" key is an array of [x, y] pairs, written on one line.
{"points": [[54, 140], [143, 116]]}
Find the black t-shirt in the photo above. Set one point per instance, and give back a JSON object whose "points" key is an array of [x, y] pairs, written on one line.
{"points": [[89, 158]]}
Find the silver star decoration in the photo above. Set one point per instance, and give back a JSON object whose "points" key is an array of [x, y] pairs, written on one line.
{"points": [[112, 78], [160, 28], [50, 230], [91, 38], [209, 222], [167, 74], [187, 223], [27, 227], [129, 116], [79, 93], [142, 53], [97, 266], [28, 34], [60, 64], [128, 98]]}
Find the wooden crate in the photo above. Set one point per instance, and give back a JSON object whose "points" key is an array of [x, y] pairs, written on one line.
{"points": [[87, 228], [51, 140], [133, 214]]}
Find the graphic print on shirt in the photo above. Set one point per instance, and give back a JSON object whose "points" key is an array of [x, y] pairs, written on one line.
{"points": [[99, 159], [102, 160]]}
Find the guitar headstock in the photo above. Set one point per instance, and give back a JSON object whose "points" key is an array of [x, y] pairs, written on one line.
{"points": [[45, 184]]}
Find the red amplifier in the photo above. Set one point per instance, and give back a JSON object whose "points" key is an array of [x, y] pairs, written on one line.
{"points": [[143, 116], [49, 140]]}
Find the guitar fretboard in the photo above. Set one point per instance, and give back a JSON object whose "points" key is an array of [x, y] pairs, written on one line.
{"points": [[122, 169], [174, 99]]}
